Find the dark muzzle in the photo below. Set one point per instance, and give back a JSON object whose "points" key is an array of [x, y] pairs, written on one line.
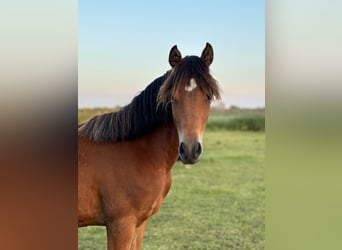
{"points": [[190, 154]]}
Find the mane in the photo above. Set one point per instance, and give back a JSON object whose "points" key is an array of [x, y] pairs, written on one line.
{"points": [[190, 67], [136, 119], [150, 109]]}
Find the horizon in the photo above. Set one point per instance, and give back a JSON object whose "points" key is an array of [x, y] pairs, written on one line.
{"points": [[103, 101]]}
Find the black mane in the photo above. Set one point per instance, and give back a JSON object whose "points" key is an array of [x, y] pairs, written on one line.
{"points": [[151, 108], [136, 119]]}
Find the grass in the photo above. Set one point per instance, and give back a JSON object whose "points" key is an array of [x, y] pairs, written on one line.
{"points": [[215, 204]]}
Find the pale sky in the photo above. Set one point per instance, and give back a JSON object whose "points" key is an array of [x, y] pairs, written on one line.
{"points": [[124, 46]]}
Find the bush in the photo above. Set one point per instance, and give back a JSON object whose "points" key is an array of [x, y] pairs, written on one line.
{"points": [[256, 123], [244, 122]]}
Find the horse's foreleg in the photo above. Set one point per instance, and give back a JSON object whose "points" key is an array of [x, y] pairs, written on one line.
{"points": [[140, 235], [120, 234]]}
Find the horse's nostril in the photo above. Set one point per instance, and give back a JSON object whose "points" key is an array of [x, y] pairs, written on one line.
{"points": [[182, 149], [197, 151]]}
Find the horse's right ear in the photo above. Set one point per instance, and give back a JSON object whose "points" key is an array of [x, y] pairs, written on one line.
{"points": [[175, 56]]}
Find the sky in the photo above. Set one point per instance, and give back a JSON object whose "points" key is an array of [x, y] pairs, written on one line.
{"points": [[124, 46]]}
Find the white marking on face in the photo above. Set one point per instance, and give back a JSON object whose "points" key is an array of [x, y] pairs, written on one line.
{"points": [[192, 85]]}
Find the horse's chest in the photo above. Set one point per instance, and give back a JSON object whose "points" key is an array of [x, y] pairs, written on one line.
{"points": [[150, 210], [156, 199], [162, 190]]}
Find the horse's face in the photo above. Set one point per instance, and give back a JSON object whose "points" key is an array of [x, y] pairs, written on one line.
{"points": [[190, 110], [190, 89]]}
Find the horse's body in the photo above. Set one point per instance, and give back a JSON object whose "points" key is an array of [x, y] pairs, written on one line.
{"points": [[128, 189], [125, 158]]}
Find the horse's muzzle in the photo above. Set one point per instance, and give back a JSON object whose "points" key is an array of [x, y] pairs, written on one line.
{"points": [[190, 154]]}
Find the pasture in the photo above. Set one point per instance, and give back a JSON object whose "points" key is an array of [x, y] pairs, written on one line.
{"points": [[215, 204]]}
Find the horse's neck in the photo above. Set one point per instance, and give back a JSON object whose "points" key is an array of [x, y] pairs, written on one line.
{"points": [[164, 142]]}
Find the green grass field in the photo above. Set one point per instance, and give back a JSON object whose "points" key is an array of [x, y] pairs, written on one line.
{"points": [[215, 204]]}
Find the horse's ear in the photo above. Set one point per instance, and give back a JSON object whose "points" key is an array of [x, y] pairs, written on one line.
{"points": [[208, 54], [175, 56]]}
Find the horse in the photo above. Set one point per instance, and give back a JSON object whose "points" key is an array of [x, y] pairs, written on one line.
{"points": [[125, 157]]}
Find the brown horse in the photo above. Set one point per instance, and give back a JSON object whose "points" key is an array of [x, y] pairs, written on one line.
{"points": [[125, 158]]}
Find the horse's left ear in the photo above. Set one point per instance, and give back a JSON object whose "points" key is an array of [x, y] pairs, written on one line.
{"points": [[208, 54]]}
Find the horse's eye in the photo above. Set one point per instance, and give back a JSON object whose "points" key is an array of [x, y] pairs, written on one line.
{"points": [[173, 99], [210, 99]]}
